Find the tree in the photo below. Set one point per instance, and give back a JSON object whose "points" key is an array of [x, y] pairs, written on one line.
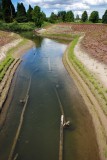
{"points": [[1, 14], [44, 16], [69, 16], [94, 17], [21, 13], [61, 15], [53, 18], [77, 17], [38, 16], [29, 13], [8, 10], [84, 17], [104, 17]]}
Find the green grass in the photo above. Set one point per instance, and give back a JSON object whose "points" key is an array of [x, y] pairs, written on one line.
{"points": [[4, 65], [12, 50], [61, 35], [46, 24], [85, 74]]}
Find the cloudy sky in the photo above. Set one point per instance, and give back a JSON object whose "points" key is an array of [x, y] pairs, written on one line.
{"points": [[77, 6]]}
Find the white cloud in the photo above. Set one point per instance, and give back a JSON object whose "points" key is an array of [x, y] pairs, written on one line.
{"points": [[78, 12], [46, 6], [95, 2], [59, 4], [55, 11], [33, 1], [77, 6]]}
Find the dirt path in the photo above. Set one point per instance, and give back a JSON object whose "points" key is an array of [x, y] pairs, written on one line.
{"points": [[98, 117]]}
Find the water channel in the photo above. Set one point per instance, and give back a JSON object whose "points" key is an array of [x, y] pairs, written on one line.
{"points": [[40, 132]]}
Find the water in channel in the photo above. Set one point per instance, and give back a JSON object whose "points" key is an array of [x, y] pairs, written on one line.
{"points": [[40, 132]]}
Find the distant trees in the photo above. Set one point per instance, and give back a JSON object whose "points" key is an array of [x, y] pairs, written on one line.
{"points": [[38, 16], [29, 13], [104, 17], [8, 14], [21, 13], [77, 17], [1, 14], [69, 17], [94, 17], [8, 10], [53, 17], [84, 17], [62, 15]]}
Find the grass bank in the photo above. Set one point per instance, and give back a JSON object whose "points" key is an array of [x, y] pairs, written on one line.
{"points": [[96, 104], [13, 49], [5, 64], [7, 69], [95, 86], [58, 36]]}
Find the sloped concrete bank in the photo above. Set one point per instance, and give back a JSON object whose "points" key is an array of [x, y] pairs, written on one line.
{"points": [[98, 117], [5, 83], [18, 51]]}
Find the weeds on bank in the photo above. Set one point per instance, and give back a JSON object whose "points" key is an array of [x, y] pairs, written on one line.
{"points": [[12, 50], [4, 65], [86, 75]]}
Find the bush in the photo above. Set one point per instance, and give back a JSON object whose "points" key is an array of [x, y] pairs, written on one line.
{"points": [[17, 27], [21, 19]]}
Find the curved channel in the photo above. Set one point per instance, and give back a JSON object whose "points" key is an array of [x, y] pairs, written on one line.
{"points": [[40, 132]]}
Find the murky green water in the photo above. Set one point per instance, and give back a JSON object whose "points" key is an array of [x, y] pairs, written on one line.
{"points": [[39, 137]]}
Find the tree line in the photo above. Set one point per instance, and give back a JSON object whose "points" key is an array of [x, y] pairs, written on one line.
{"points": [[8, 13], [69, 17]]}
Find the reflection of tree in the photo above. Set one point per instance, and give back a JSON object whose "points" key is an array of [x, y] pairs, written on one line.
{"points": [[32, 36], [38, 40]]}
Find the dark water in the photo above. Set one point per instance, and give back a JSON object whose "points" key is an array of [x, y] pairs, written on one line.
{"points": [[39, 137]]}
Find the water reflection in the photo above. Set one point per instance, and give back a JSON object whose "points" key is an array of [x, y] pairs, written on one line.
{"points": [[32, 36]]}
